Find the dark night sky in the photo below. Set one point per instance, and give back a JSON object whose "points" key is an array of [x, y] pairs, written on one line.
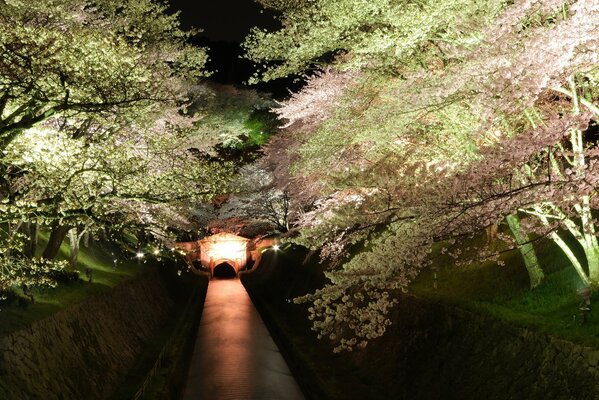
{"points": [[225, 23], [223, 20]]}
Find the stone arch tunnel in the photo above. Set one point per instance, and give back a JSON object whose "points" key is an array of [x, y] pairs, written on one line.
{"points": [[223, 252]]}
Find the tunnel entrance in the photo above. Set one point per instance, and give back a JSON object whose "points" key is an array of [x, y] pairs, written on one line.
{"points": [[224, 271]]}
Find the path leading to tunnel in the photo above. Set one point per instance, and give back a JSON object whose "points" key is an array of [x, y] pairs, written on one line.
{"points": [[234, 356]]}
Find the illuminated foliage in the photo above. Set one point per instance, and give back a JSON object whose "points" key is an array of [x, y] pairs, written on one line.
{"points": [[93, 127], [228, 117], [444, 125], [388, 35], [89, 61]]}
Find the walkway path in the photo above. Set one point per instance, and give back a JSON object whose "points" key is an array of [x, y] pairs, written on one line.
{"points": [[234, 356]]}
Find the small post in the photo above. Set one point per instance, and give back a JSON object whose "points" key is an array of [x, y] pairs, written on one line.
{"points": [[585, 304]]}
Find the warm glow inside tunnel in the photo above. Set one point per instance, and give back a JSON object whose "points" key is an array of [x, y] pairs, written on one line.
{"points": [[223, 251], [228, 249]]}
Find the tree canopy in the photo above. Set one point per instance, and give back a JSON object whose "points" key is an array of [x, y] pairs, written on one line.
{"points": [[89, 61], [431, 121], [94, 126], [386, 35]]}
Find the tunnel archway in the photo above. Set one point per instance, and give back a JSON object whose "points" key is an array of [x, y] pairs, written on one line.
{"points": [[224, 248], [224, 270]]}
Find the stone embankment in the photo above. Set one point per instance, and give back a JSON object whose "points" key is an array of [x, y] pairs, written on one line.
{"points": [[84, 351], [440, 351]]}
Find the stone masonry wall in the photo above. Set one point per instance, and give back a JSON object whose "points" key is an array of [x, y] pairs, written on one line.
{"points": [[84, 351], [436, 351]]}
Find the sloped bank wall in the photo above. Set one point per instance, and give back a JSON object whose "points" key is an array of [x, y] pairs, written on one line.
{"points": [[435, 351], [84, 351], [431, 351]]}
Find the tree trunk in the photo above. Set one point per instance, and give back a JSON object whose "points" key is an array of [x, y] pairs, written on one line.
{"points": [[564, 246], [31, 245], [59, 232], [590, 243], [491, 233], [86, 239], [74, 244], [570, 254], [531, 262], [589, 240], [591, 251]]}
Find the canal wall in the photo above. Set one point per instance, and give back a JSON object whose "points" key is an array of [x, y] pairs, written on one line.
{"points": [[86, 350], [431, 351], [436, 351]]}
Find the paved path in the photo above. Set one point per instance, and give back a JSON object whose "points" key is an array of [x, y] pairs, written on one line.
{"points": [[234, 356]]}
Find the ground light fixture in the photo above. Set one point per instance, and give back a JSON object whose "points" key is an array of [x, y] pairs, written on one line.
{"points": [[139, 254], [276, 247]]}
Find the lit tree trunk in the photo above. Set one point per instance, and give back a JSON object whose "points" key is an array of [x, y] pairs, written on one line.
{"points": [[491, 233], [74, 245], [531, 262], [562, 244], [75, 236], [59, 232], [589, 240], [583, 229], [570, 254], [591, 251], [86, 238]]}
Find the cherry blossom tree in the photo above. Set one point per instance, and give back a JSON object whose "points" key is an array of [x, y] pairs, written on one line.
{"points": [[381, 34], [469, 124], [93, 125], [77, 62]]}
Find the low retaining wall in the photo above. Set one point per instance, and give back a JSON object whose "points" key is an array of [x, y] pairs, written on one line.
{"points": [[84, 351], [436, 351]]}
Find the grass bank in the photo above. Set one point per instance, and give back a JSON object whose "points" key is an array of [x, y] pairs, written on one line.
{"points": [[503, 292]]}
